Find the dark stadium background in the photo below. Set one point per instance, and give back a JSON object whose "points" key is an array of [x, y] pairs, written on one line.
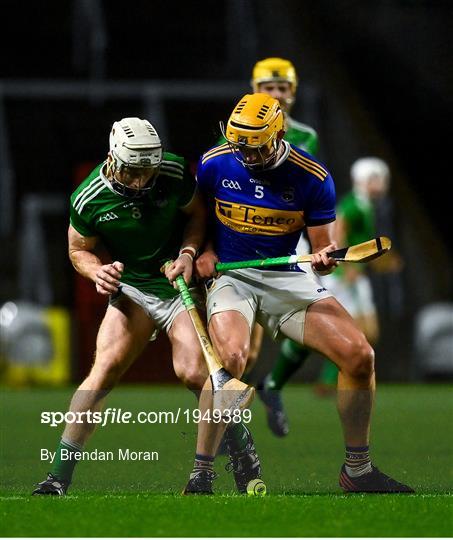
{"points": [[375, 79]]}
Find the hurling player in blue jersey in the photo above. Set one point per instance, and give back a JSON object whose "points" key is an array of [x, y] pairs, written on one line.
{"points": [[261, 192]]}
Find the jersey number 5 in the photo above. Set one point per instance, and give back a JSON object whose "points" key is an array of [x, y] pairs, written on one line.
{"points": [[259, 192]]}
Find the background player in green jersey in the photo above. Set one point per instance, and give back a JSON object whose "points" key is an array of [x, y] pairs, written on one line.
{"points": [[142, 205], [278, 78], [350, 283]]}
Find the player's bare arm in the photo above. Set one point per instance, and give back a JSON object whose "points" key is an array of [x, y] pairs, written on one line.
{"points": [[105, 276], [322, 241], [193, 238]]}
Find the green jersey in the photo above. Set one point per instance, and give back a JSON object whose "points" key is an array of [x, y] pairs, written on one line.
{"points": [[142, 233], [301, 135], [358, 215]]}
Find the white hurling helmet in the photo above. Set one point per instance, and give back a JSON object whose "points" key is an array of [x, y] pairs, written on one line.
{"points": [[366, 169], [135, 143]]}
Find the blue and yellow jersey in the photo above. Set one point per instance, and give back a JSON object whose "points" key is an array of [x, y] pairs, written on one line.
{"points": [[262, 214]]}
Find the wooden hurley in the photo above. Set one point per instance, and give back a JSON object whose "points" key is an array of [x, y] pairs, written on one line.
{"points": [[360, 253], [229, 393]]}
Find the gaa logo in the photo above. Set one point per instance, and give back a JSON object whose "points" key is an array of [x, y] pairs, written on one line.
{"points": [[232, 184], [109, 216]]}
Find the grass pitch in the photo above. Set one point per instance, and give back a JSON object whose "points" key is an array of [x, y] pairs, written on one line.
{"points": [[412, 440]]}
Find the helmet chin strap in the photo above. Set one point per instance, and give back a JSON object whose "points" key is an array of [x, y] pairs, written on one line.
{"points": [[111, 168], [277, 144]]}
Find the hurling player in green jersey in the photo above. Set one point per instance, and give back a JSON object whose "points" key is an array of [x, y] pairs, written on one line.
{"points": [[277, 77], [142, 204], [350, 283]]}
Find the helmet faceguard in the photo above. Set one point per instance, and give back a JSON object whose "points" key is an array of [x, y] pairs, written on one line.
{"points": [[275, 70], [132, 182], [255, 130], [135, 157]]}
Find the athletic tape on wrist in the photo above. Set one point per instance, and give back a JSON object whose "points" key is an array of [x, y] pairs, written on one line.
{"points": [[188, 255], [188, 250]]}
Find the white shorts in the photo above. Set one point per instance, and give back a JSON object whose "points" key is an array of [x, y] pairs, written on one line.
{"points": [[162, 312], [271, 297], [356, 297]]}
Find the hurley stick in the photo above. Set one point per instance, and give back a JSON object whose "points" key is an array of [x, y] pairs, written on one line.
{"points": [[360, 253], [229, 393]]}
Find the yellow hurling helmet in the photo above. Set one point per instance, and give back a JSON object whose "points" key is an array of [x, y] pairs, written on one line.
{"points": [[255, 126], [274, 69]]}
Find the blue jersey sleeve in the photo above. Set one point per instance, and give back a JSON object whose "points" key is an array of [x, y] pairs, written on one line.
{"points": [[321, 209]]}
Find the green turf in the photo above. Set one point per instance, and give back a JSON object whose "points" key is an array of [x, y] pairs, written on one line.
{"points": [[276, 515], [412, 440]]}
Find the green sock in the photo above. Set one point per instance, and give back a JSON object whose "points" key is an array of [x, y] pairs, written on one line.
{"points": [[237, 437], [64, 463], [291, 357], [329, 373]]}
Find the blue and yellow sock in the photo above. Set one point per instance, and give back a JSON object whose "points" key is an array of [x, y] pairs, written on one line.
{"points": [[202, 463]]}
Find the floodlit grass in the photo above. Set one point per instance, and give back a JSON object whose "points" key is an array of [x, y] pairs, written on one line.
{"points": [[412, 441]]}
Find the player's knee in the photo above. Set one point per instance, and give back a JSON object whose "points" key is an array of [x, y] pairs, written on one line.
{"points": [[360, 363], [234, 360], [107, 371], [192, 376]]}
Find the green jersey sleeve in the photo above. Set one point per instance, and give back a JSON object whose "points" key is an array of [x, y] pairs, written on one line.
{"points": [[302, 136], [81, 221], [80, 225]]}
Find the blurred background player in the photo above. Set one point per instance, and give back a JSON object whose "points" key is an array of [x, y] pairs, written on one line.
{"points": [[356, 223], [143, 205], [278, 78]]}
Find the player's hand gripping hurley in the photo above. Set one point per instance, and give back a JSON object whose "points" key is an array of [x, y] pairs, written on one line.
{"points": [[360, 253], [229, 393]]}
